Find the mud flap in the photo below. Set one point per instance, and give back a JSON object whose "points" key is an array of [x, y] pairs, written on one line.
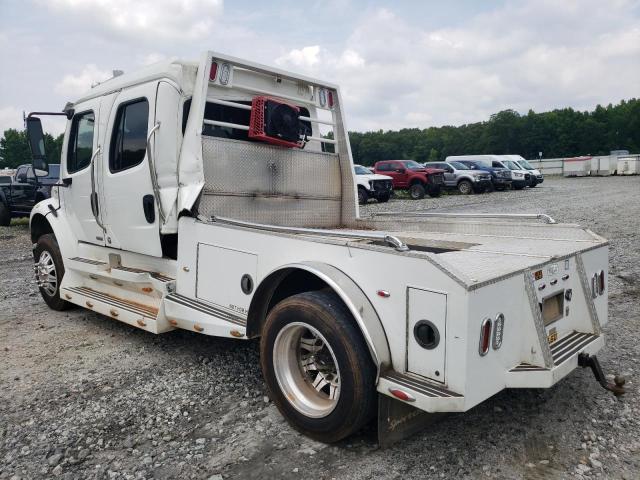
{"points": [[398, 420]]}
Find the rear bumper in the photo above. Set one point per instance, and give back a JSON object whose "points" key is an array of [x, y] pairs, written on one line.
{"points": [[431, 397], [528, 376]]}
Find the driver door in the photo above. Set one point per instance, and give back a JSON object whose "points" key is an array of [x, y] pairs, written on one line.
{"points": [[128, 203], [80, 144]]}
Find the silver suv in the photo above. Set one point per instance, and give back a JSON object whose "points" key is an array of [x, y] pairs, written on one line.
{"points": [[458, 176]]}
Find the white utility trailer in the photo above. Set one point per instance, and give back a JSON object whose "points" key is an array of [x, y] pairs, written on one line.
{"points": [[603, 165], [629, 165], [209, 196], [576, 167]]}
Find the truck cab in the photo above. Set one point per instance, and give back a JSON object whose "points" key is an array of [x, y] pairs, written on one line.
{"points": [[218, 196], [411, 176]]}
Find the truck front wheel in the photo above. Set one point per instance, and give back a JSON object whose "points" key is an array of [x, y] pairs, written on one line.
{"points": [[49, 270], [465, 187], [317, 367], [363, 196], [416, 191], [5, 215]]}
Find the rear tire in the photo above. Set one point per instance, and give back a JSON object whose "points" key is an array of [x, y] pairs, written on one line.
{"points": [[363, 196], [416, 191], [317, 367], [435, 192], [384, 198], [50, 271], [465, 187], [5, 215]]}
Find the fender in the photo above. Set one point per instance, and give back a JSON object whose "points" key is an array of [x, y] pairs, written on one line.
{"points": [[353, 297], [59, 225]]}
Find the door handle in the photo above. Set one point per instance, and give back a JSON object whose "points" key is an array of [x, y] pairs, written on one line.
{"points": [[148, 205]]}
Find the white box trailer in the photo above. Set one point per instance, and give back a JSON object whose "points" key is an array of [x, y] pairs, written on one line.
{"points": [[576, 167], [629, 165], [205, 197], [603, 165]]}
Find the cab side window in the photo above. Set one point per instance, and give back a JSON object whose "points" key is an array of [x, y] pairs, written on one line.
{"points": [[80, 147], [129, 136]]}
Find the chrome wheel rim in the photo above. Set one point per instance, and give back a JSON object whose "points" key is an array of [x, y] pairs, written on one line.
{"points": [[46, 274], [306, 370], [464, 188]]}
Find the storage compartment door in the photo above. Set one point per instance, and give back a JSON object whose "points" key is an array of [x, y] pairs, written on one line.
{"points": [[426, 333], [220, 277]]}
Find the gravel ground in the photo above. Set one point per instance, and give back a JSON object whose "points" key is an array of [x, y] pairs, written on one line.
{"points": [[82, 396]]}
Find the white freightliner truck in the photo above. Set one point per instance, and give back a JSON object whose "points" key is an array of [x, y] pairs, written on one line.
{"points": [[219, 197]]}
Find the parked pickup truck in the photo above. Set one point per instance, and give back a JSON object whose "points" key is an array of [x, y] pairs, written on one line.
{"points": [[250, 228], [500, 177], [372, 185], [459, 177], [412, 176], [24, 190]]}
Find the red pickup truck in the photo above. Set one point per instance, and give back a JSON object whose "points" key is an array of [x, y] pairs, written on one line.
{"points": [[412, 176]]}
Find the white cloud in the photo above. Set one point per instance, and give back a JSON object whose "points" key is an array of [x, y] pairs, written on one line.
{"points": [[190, 19], [10, 117], [306, 57], [73, 85], [534, 54]]}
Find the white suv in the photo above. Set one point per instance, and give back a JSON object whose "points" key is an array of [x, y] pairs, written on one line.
{"points": [[372, 185]]}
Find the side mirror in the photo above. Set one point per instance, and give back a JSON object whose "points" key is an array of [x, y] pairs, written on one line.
{"points": [[22, 178], [36, 143]]}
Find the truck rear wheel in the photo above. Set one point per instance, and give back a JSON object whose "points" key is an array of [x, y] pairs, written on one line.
{"points": [[317, 367], [416, 191], [49, 270], [435, 192], [5, 215]]}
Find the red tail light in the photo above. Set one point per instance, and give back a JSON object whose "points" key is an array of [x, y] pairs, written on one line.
{"points": [[485, 337], [330, 98], [213, 73]]}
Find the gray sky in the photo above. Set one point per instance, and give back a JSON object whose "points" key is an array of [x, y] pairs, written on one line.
{"points": [[400, 64]]}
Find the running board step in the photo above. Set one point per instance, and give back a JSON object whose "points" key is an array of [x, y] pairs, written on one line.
{"points": [[191, 314], [567, 347], [427, 388], [132, 313], [423, 394], [97, 268]]}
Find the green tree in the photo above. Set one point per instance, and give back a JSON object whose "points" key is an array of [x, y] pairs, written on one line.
{"points": [[14, 148]]}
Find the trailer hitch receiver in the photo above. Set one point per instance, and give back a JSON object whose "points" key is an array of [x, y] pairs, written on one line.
{"points": [[591, 361]]}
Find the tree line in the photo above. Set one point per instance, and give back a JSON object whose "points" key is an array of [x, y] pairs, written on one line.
{"points": [[558, 133]]}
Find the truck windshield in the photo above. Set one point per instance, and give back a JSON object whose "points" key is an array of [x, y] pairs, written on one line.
{"points": [[511, 165], [360, 170], [459, 166], [412, 164], [526, 164]]}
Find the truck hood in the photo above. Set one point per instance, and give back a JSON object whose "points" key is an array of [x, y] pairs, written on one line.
{"points": [[374, 176]]}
